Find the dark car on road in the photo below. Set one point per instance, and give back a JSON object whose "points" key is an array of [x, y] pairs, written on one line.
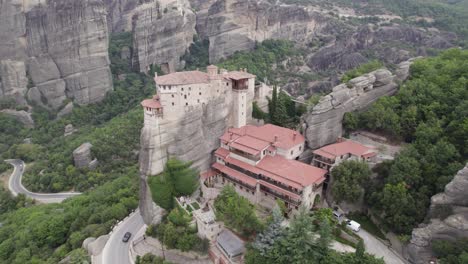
{"points": [[126, 237]]}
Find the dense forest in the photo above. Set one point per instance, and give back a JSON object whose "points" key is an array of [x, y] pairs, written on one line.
{"points": [[429, 112]]}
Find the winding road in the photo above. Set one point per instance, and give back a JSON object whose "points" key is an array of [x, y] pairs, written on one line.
{"points": [[15, 186], [116, 251]]}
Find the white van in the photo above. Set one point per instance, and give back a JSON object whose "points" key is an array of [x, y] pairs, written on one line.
{"points": [[353, 225]]}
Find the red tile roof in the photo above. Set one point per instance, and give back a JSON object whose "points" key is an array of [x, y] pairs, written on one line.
{"points": [[281, 190], [185, 77], [151, 103], [244, 148], [238, 75], [293, 170], [222, 152], [235, 174], [207, 174], [252, 142], [289, 172], [341, 148], [286, 138]]}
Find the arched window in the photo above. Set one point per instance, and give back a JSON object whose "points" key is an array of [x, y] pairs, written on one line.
{"points": [[173, 104], [185, 96]]}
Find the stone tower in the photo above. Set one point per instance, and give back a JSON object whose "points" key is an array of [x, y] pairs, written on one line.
{"points": [[240, 88]]}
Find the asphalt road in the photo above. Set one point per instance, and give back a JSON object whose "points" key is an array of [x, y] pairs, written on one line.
{"points": [[16, 187], [379, 249], [116, 251]]}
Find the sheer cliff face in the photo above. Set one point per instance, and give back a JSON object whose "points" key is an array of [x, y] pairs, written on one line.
{"points": [[233, 25], [190, 138], [59, 47], [451, 228], [162, 32]]}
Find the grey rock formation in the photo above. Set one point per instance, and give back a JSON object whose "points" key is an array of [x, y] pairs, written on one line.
{"points": [[13, 80], [119, 14], [60, 45], [233, 25], [453, 227], [66, 110], [82, 155], [162, 31], [150, 212], [324, 122], [346, 52], [22, 116], [192, 138], [69, 130], [94, 246]]}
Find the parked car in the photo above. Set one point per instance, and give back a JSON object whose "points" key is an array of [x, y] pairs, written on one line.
{"points": [[353, 225], [337, 214], [126, 237]]}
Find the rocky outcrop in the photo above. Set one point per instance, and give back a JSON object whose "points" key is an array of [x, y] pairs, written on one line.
{"points": [[59, 45], [191, 138], [233, 25], [66, 110], [22, 117], [324, 122], [13, 81], [391, 44], [451, 228], [94, 246], [82, 155], [69, 130], [162, 32]]}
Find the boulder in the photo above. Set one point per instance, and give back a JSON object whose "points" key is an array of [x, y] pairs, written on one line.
{"points": [[69, 130], [82, 155], [94, 246], [22, 116], [66, 110]]}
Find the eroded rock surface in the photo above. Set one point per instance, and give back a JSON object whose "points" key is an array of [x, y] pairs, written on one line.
{"points": [[233, 25], [22, 116], [162, 31], [191, 138], [53, 50], [82, 155], [451, 228], [324, 123]]}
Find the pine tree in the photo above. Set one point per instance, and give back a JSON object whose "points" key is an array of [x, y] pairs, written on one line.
{"points": [[360, 251], [274, 231]]}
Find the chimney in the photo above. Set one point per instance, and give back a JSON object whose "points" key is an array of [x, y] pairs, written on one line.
{"points": [[230, 135], [339, 139], [294, 135], [276, 138]]}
